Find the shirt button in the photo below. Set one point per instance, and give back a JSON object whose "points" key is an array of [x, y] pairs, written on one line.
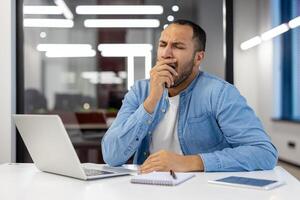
{"points": [[145, 153], [149, 122], [149, 132], [163, 110], [166, 98], [137, 139]]}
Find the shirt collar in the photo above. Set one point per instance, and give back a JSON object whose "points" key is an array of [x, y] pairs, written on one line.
{"points": [[186, 90]]}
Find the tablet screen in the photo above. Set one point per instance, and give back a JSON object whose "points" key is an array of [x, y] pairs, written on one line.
{"points": [[246, 181]]}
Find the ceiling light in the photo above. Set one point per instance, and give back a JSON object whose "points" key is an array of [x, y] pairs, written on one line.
{"points": [[121, 50], [115, 80], [90, 75], [86, 106], [64, 8], [275, 32], [271, 33], [122, 74], [120, 10], [54, 47], [170, 18], [251, 43], [67, 50], [50, 23], [104, 77], [121, 23], [41, 10], [71, 53], [175, 8], [294, 22], [43, 35]]}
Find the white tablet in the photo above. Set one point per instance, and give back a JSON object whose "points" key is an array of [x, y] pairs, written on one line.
{"points": [[265, 184]]}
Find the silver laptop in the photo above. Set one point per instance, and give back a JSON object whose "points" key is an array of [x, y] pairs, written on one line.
{"points": [[51, 148]]}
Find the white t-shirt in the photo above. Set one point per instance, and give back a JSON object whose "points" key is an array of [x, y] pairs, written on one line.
{"points": [[165, 136]]}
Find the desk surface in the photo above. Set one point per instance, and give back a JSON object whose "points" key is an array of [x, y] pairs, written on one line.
{"points": [[26, 182]]}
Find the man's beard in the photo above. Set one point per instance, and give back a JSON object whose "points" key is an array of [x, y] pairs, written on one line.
{"points": [[185, 74]]}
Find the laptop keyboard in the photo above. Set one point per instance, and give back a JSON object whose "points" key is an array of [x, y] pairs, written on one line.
{"points": [[95, 172]]}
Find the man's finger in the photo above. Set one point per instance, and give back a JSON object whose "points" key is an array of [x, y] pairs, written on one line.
{"points": [[168, 68], [152, 156], [150, 168], [150, 160], [166, 73]]}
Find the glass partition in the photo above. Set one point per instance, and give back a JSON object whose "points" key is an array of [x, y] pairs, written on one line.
{"points": [[81, 57]]}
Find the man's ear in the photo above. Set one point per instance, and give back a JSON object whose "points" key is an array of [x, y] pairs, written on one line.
{"points": [[199, 56]]}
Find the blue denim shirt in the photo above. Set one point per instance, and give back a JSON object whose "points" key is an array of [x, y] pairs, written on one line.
{"points": [[214, 122]]}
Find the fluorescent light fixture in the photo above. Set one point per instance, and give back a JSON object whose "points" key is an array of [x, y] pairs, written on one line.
{"points": [[89, 75], [175, 8], [67, 50], [275, 32], [64, 8], [50, 23], [130, 51], [271, 33], [120, 10], [121, 23], [98, 75], [294, 22], [64, 47], [170, 18], [123, 50], [70, 53], [42, 10], [115, 80], [122, 74], [251, 43], [105, 77]]}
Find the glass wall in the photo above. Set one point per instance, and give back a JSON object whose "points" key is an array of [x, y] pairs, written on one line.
{"points": [[81, 57]]}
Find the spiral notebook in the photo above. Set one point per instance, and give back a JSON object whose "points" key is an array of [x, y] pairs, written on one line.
{"points": [[162, 178]]}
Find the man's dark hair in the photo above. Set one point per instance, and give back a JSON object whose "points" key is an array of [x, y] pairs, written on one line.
{"points": [[198, 33]]}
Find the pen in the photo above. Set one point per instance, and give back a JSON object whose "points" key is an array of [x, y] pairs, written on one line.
{"points": [[172, 173]]}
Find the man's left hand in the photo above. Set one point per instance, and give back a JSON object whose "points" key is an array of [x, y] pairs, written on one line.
{"points": [[165, 160]]}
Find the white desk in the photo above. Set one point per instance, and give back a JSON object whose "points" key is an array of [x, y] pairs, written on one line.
{"points": [[26, 182]]}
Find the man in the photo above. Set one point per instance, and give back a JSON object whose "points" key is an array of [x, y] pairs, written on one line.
{"points": [[185, 119]]}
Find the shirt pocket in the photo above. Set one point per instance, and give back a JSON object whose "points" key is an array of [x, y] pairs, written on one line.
{"points": [[203, 134]]}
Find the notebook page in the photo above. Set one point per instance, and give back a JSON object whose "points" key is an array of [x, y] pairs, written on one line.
{"points": [[161, 178]]}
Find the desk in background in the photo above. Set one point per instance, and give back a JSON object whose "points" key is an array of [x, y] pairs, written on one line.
{"points": [[88, 146], [26, 182]]}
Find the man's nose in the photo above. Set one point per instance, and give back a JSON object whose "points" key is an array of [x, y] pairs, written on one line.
{"points": [[167, 52]]}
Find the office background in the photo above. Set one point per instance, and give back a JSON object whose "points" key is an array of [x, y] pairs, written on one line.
{"points": [[86, 83], [86, 91]]}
